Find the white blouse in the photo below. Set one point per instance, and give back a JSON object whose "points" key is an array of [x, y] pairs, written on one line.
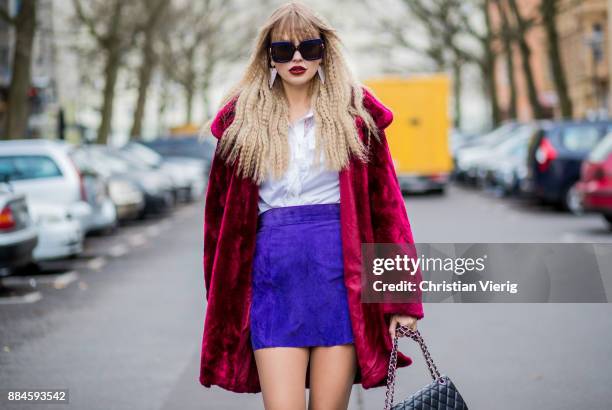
{"points": [[303, 183]]}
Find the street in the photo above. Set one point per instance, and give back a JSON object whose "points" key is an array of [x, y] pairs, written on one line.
{"points": [[122, 328]]}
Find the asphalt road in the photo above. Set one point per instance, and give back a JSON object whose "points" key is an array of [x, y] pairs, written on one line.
{"points": [[120, 327]]}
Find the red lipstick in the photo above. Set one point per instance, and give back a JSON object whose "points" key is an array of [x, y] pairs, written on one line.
{"points": [[297, 70]]}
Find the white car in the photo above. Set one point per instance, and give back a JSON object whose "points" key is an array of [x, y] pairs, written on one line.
{"points": [[44, 171], [468, 156], [122, 186], [485, 166], [59, 234], [187, 174]]}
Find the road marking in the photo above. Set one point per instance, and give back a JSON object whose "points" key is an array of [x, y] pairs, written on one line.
{"points": [[118, 250], [154, 230], [137, 239], [65, 279], [97, 263], [58, 281], [29, 297]]}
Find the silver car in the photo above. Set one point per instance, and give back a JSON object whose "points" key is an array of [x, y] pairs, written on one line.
{"points": [[45, 172]]}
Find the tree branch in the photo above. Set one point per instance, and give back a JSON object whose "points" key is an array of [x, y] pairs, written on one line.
{"points": [[6, 17], [87, 21]]}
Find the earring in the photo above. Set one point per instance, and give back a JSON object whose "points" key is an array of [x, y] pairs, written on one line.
{"points": [[321, 74], [273, 73]]}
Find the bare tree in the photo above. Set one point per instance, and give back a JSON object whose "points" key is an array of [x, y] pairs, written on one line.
{"points": [[181, 52], [470, 15], [113, 28], [452, 42], [149, 60], [24, 24], [523, 25], [487, 64], [548, 9], [206, 38], [507, 38]]}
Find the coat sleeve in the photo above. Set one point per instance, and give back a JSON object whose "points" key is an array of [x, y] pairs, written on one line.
{"points": [[216, 195], [388, 211]]}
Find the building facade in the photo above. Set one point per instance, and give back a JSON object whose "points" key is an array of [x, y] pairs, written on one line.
{"points": [[584, 46]]}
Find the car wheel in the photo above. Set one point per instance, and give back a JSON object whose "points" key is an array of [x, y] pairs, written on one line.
{"points": [[32, 268], [608, 218], [573, 201]]}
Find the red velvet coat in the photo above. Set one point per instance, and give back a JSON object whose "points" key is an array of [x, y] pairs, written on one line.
{"points": [[372, 209]]}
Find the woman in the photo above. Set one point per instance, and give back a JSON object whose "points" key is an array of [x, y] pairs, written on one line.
{"points": [[301, 177]]}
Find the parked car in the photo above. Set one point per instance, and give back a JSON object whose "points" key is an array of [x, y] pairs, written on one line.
{"points": [[479, 147], [59, 234], [123, 187], [155, 185], [184, 146], [459, 139], [18, 233], [485, 166], [46, 173], [595, 185], [555, 156], [187, 173], [510, 172]]}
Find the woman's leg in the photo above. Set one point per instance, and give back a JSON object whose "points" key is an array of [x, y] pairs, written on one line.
{"points": [[332, 371], [282, 376]]}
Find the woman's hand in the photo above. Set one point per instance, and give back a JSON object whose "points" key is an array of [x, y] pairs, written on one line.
{"points": [[401, 320]]}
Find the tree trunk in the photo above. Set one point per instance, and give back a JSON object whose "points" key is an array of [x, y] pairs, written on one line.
{"points": [[189, 92], [161, 109], [149, 61], [110, 74], [549, 13], [488, 69], [18, 104], [113, 47], [507, 40], [207, 79], [457, 87], [144, 80], [532, 93], [189, 84]]}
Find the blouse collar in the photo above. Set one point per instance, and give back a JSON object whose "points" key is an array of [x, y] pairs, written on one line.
{"points": [[309, 114]]}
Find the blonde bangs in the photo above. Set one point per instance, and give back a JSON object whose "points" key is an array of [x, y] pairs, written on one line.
{"points": [[293, 26]]}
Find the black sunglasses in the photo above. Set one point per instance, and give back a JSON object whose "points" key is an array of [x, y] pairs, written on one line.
{"points": [[283, 51]]}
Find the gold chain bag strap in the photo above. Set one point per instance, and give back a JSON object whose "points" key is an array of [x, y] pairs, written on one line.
{"points": [[441, 394]]}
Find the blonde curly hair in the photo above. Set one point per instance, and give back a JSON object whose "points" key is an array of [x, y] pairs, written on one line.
{"points": [[257, 137]]}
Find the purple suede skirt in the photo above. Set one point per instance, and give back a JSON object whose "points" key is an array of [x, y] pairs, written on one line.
{"points": [[298, 294]]}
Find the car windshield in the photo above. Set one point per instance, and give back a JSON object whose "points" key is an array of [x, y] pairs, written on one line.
{"points": [[134, 162], [111, 162], [143, 153], [22, 167], [183, 146], [496, 136], [106, 158], [580, 137], [516, 138]]}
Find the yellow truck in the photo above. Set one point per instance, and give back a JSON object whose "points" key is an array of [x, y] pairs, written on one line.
{"points": [[419, 134]]}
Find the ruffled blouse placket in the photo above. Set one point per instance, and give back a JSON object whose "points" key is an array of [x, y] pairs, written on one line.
{"points": [[301, 147]]}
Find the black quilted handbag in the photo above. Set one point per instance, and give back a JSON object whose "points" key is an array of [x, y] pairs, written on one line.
{"points": [[441, 394]]}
